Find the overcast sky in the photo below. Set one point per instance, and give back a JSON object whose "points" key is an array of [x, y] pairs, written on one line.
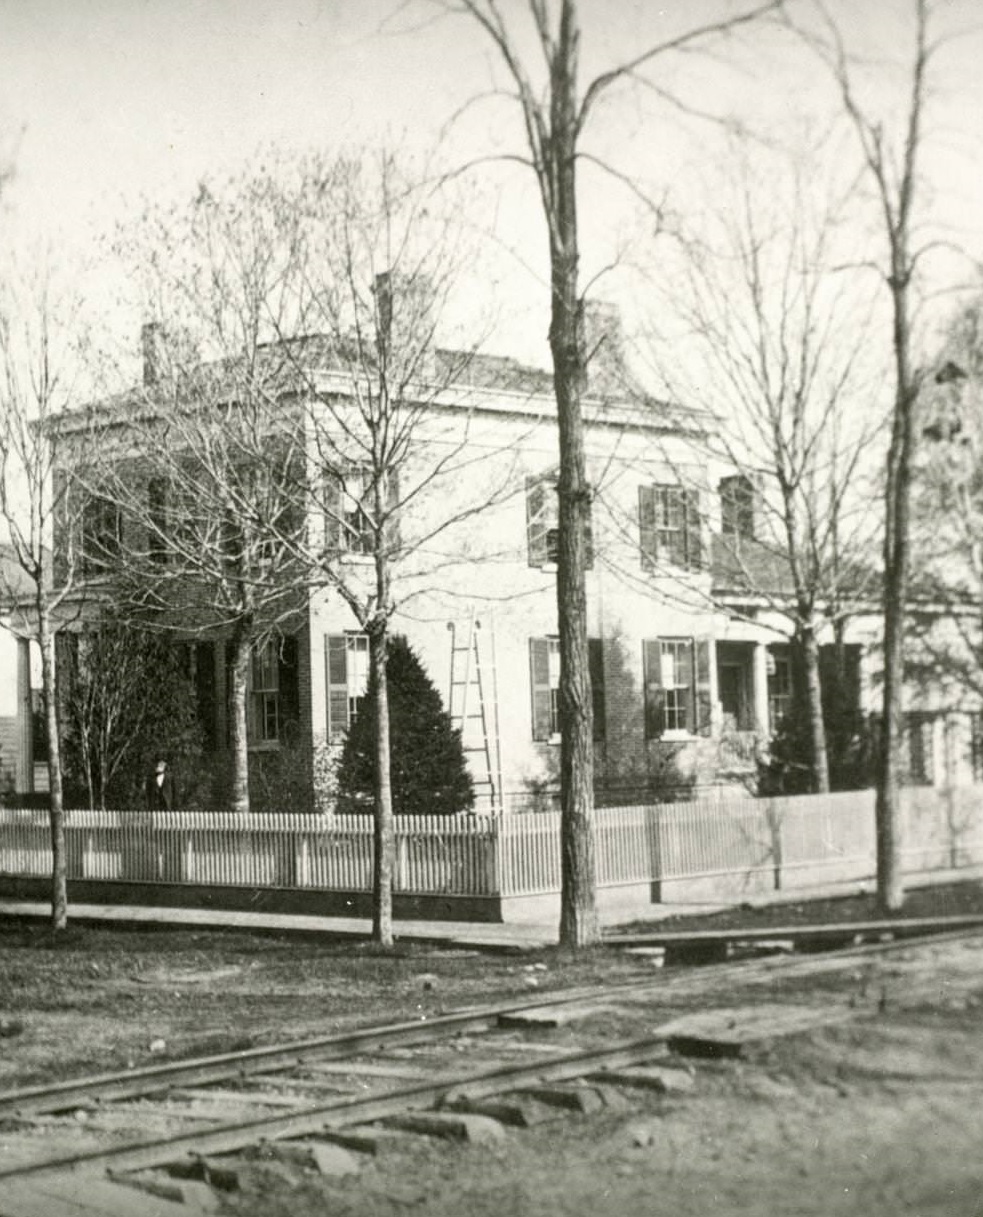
{"points": [[104, 102]]}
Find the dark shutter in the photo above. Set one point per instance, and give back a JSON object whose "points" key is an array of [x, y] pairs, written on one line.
{"points": [[595, 659], [539, 668], [655, 717], [288, 677], [158, 534], [704, 701], [536, 520], [334, 529], [692, 530], [205, 690], [336, 680], [392, 510], [589, 536], [647, 531]]}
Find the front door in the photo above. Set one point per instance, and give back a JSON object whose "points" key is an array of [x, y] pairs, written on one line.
{"points": [[733, 694]]}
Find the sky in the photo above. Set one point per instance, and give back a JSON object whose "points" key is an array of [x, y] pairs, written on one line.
{"points": [[106, 103]]}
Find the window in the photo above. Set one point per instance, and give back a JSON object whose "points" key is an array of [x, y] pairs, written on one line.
{"points": [[272, 691], [198, 663], [737, 506], [779, 685], [918, 742], [976, 744], [350, 510], [101, 534], [543, 523], [544, 664], [676, 673], [158, 510], [669, 527], [264, 679], [347, 679]]}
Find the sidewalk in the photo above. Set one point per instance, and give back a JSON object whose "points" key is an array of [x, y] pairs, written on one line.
{"points": [[484, 935]]}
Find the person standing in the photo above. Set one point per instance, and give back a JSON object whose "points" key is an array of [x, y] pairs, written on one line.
{"points": [[159, 790]]}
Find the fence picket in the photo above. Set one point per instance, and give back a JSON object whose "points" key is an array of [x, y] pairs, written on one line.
{"points": [[796, 840]]}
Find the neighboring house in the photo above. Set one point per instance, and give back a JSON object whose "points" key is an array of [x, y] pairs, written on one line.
{"points": [[691, 670], [17, 699]]}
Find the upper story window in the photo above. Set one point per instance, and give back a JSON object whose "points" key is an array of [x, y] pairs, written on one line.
{"points": [[737, 496], [160, 522], [350, 515], [102, 534], [347, 679], [669, 527], [543, 523]]}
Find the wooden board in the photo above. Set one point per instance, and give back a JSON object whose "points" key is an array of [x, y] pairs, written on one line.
{"points": [[83, 1196]]}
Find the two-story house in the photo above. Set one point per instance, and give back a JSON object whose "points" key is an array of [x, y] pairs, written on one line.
{"points": [[690, 662]]}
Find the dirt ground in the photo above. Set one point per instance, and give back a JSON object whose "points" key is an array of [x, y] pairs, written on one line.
{"points": [[878, 1114]]}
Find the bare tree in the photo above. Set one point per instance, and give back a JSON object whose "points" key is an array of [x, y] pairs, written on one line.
{"points": [[319, 448], [201, 459], [946, 639], [397, 467], [778, 341], [891, 162], [554, 118], [38, 366]]}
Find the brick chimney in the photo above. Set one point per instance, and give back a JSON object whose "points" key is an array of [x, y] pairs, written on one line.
{"points": [[151, 339], [604, 347]]}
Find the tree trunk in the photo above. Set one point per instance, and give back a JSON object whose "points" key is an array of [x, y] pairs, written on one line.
{"points": [[814, 704], [890, 876], [239, 730], [56, 814], [384, 843], [578, 910]]}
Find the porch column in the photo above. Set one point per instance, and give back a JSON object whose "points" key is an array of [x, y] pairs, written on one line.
{"points": [[24, 764], [760, 681]]}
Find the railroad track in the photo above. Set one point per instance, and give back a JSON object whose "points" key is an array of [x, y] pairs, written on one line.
{"points": [[182, 1116]]}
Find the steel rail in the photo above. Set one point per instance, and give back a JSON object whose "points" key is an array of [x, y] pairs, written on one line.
{"points": [[132, 1083], [907, 927], [346, 1111], [153, 1079]]}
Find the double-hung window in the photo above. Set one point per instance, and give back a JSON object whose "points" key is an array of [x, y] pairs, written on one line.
{"points": [[351, 523], [543, 523], [347, 678], [676, 675], [779, 685], [544, 666], [737, 502], [102, 534], [272, 690], [669, 527]]}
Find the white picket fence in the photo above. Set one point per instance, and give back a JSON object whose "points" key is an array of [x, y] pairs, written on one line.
{"points": [[785, 841]]}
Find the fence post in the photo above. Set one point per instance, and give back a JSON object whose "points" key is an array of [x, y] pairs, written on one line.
{"points": [[775, 828]]}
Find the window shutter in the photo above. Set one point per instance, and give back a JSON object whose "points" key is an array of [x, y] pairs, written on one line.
{"points": [[536, 520], [655, 717], [336, 680], [595, 660], [647, 532], [289, 685], [539, 667], [205, 690], [703, 698], [333, 526], [589, 537], [692, 530], [392, 510]]}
